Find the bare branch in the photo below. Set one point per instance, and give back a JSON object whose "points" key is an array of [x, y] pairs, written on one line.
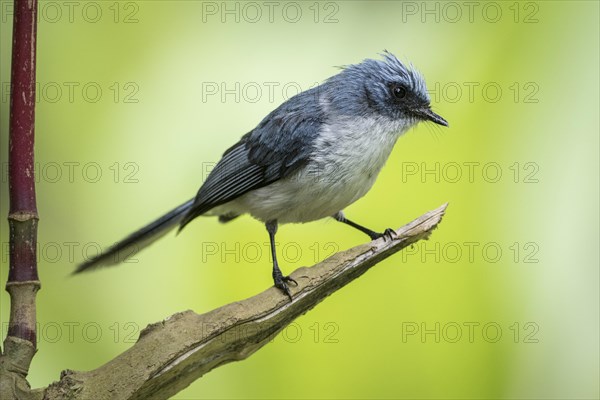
{"points": [[171, 354]]}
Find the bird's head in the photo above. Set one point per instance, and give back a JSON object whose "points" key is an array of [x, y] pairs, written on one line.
{"points": [[386, 88]]}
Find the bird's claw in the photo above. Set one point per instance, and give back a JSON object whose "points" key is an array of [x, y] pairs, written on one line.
{"points": [[280, 283], [388, 234]]}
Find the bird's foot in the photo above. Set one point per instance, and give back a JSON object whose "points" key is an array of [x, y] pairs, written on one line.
{"points": [[388, 234], [281, 283]]}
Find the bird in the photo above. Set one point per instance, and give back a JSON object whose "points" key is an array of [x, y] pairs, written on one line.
{"points": [[310, 158]]}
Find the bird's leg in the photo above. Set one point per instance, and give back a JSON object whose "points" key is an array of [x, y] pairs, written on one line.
{"points": [[278, 278], [387, 234]]}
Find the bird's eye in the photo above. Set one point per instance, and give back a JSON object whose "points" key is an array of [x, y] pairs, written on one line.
{"points": [[399, 91]]}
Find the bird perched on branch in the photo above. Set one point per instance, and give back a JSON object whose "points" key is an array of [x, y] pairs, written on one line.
{"points": [[314, 155]]}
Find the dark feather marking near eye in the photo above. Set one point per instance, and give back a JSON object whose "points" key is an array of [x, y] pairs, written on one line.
{"points": [[372, 103]]}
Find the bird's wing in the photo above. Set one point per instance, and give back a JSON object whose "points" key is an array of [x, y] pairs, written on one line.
{"points": [[277, 147]]}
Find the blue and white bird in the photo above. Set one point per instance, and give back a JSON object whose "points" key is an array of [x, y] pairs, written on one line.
{"points": [[310, 158]]}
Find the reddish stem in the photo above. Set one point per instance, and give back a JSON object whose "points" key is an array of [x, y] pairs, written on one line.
{"points": [[22, 108], [23, 211]]}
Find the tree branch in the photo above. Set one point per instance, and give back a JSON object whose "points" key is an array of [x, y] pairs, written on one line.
{"points": [[23, 281], [171, 354]]}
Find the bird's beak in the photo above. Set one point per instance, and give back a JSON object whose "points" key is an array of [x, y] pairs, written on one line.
{"points": [[428, 115]]}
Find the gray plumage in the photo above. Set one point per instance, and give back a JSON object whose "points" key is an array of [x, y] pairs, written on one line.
{"points": [[280, 144], [314, 155]]}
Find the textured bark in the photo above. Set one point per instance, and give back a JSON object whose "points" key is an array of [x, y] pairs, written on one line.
{"points": [[171, 354]]}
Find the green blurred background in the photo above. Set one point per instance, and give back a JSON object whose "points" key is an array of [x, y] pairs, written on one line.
{"points": [[137, 100]]}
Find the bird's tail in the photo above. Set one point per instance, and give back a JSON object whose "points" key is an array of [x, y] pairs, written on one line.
{"points": [[135, 242]]}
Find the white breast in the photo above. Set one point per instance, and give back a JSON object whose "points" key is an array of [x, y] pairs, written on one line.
{"points": [[347, 160]]}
